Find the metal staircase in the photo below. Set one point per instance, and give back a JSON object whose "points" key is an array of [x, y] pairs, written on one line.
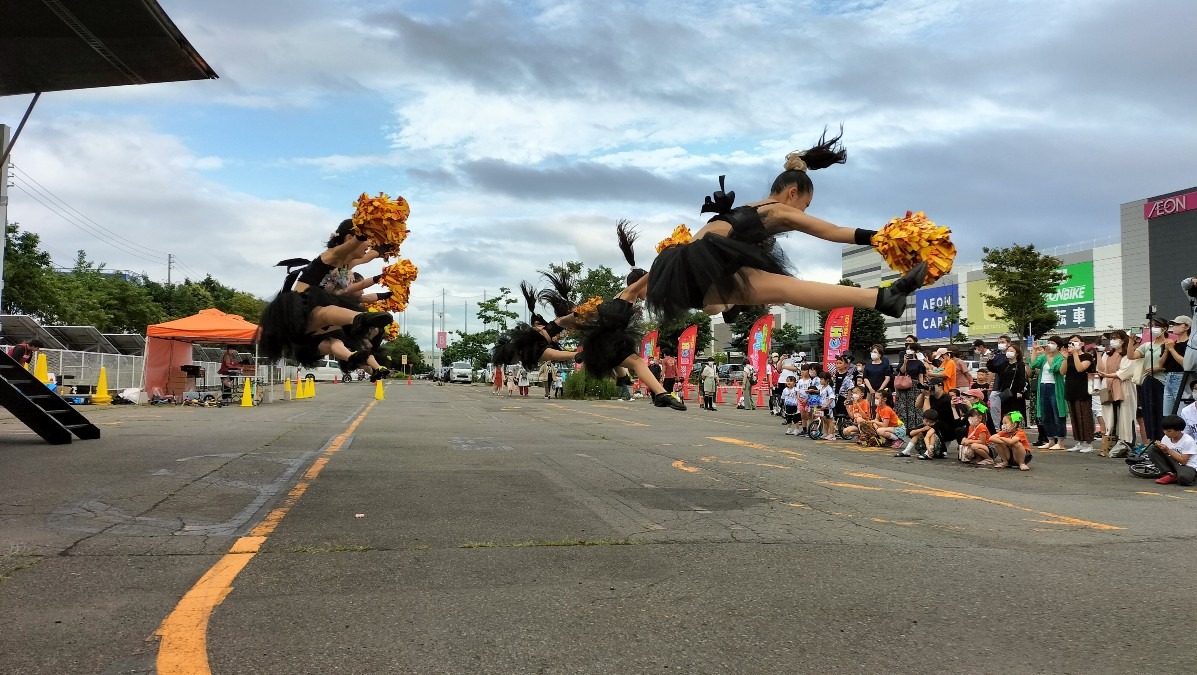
{"points": [[39, 408]]}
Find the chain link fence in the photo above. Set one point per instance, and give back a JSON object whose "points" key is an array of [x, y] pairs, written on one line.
{"points": [[82, 369]]}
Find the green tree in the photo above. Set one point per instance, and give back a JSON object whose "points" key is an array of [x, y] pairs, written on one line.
{"points": [[403, 345], [472, 347], [130, 307], [600, 281], [788, 340], [29, 277], [1021, 278], [950, 315], [868, 326], [246, 305], [496, 312]]}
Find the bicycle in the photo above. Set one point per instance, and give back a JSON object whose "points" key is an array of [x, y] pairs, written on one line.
{"points": [[839, 422]]}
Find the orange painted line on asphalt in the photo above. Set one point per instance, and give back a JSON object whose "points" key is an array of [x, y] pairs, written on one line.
{"points": [[713, 458], [854, 486], [952, 494], [789, 454], [183, 636], [679, 464], [613, 419]]}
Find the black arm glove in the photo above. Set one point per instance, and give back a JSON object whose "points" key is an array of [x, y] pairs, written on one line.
{"points": [[864, 237], [385, 295]]}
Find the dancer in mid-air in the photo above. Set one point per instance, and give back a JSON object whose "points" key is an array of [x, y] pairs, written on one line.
{"points": [[734, 260], [532, 342]]}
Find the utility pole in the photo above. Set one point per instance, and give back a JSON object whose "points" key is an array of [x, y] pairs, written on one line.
{"points": [[3, 201], [170, 259], [465, 316], [435, 364]]}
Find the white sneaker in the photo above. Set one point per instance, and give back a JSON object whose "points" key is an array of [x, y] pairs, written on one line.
{"points": [[1084, 448], [791, 432], [1059, 446]]}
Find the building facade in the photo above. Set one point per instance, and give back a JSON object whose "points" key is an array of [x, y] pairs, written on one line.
{"points": [[1159, 248]]}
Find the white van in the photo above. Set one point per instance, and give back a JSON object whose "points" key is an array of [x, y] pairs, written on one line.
{"points": [[324, 371]]}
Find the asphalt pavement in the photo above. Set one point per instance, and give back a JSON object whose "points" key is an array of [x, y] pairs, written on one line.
{"points": [[447, 530]]}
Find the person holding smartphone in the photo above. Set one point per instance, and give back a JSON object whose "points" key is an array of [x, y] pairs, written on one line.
{"points": [[1151, 391], [1172, 361], [906, 400]]}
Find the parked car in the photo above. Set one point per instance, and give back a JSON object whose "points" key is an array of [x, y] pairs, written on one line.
{"points": [[461, 371], [324, 371], [731, 372]]}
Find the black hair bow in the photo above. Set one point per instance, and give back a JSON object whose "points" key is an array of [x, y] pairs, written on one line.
{"points": [[720, 202]]}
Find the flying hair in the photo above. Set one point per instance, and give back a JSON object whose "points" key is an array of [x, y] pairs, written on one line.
{"points": [[529, 295], [822, 155], [627, 237], [558, 295]]}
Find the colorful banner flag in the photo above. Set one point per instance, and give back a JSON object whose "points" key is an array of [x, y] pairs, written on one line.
{"points": [[685, 356], [759, 339], [835, 336], [648, 350], [442, 339]]}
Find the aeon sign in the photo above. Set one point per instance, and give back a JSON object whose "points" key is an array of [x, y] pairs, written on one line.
{"points": [[1170, 205]]}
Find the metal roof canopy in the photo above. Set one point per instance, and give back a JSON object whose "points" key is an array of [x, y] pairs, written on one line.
{"points": [[130, 344], [57, 45], [83, 339], [18, 328]]}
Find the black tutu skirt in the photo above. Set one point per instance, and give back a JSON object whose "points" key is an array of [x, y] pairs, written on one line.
{"points": [[683, 275], [610, 337], [522, 344], [283, 327]]}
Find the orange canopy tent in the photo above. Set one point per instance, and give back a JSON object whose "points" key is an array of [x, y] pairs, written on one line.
{"points": [[168, 345]]}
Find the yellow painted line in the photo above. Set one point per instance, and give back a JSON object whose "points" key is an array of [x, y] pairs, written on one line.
{"points": [[903, 523], [712, 458], [789, 454], [797, 505], [848, 485], [679, 464], [612, 419], [951, 494], [1155, 494], [183, 636]]}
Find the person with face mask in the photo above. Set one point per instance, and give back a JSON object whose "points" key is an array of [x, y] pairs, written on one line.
{"points": [[1151, 391], [912, 372], [1109, 360], [947, 417], [1078, 364], [1047, 366], [1172, 362], [878, 371]]}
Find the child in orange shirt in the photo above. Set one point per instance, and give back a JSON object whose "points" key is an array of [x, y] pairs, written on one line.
{"points": [[889, 425], [975, 447], [1011, 442], [858, 411]]}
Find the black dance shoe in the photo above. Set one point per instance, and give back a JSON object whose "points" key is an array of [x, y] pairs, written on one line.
{"points": [[362, 323], [665, 399], [356, 360], [730, 316], [891, 300], [379, 374]]}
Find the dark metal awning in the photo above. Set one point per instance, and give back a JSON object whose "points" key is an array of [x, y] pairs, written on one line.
{"points": [[56, 45]]}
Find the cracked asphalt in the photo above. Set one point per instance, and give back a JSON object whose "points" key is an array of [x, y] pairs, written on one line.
{"points": [[445, 530]]}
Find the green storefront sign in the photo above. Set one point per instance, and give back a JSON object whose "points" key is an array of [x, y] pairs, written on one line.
{"points": [[1077, 289]]}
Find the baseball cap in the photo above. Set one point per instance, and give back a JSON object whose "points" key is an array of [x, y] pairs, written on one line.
{"points": [[975, 393], [1182, 319], [776, 354], [942, 351], [801, 354]]}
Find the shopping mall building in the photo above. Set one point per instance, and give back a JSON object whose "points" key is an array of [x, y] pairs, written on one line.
{"points": [[1111, 283]]}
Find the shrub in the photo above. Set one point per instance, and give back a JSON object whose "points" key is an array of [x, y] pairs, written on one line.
{"points": [[579, 385]]}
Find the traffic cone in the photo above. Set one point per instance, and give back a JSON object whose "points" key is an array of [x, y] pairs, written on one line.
{"points": [[378, 393], [287, 388], [409, 379], [40, 371], [247, 395], [760, 396], [300, 390], [739, 393], [311, 388], [101, 397], [335, 379], [719, 394]]}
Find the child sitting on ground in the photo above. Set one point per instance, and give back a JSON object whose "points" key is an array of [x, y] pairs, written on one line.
{"points": [[975, 446], [925, 441], [1175, 454], [890, 428], [1011, 443], [858, 411]]}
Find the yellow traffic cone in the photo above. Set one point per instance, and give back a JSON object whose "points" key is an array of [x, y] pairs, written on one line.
{"points": [[101, 397], [287, 388], [300, 390], [40, 371], [378, 393], [247, 395], [312, 388]]}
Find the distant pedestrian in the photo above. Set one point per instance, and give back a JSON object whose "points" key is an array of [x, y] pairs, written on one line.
{"points": [[747, 383], [26, 353], [669, 373], [546, 377], [559, 385], [498, 380], [523, 381], [710, 380]]}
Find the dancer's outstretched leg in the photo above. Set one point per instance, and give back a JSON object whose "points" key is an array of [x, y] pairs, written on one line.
{"points": [[767, 288], [557, 355], [661, 398], [333, 315]]}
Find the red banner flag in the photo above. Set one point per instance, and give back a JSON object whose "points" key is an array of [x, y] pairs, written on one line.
{"points": [[835, 336], [685, 356], [648, 350], [758, 341]]}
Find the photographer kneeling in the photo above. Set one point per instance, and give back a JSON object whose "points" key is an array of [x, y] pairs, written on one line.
{"points": [[1175, 454]]}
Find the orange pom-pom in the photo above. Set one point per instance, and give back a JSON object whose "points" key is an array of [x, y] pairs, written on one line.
{"points": [[905, 242], [681, 235], [588, 308], [383, 221]]}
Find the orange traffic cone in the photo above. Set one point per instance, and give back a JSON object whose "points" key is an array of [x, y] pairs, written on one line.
{"points": [[739, 392], [335, 379], [719, 394], [409, 380], [760, 396]]}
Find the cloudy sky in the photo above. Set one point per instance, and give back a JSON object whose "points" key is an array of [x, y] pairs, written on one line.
{"points": [[522, 131]]}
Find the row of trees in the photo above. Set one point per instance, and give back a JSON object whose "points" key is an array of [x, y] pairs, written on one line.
{"points": [[87, 294]]}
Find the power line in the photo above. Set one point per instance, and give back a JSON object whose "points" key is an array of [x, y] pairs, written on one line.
{"points": [[113, 244], [46, 190]]}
